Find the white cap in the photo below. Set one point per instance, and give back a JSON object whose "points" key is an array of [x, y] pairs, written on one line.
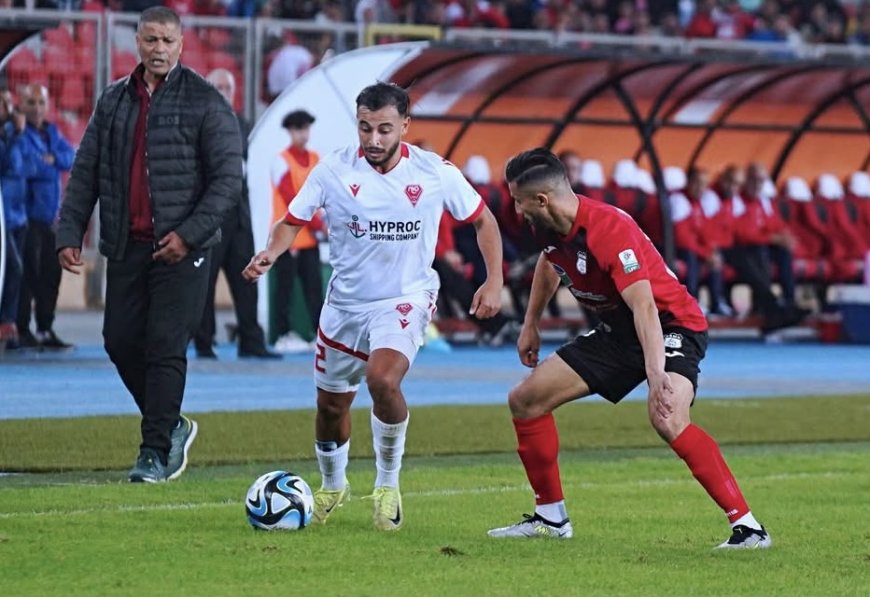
{"points": [[645, 181]]}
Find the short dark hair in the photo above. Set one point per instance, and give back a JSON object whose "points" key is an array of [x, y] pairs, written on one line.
{"points": [[298, 119], [159, 14], [534, 165], [380, 95]]}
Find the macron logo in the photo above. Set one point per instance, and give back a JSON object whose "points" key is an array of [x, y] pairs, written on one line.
{"points": [[354, 189], [404, 323]]}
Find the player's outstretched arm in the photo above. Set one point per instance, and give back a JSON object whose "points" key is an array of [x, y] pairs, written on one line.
{"points": [[544, 285], [487, 300], [639, 298], [282, 236]]}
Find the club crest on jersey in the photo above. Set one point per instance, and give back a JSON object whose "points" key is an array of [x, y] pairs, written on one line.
{"points": [[413, 192], [354, 189], [581, 262], [404, 308], [674, 340], [629, 261], [356, 229]]}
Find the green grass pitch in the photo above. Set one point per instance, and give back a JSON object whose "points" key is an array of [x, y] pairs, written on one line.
{"points": [[642, 525]]}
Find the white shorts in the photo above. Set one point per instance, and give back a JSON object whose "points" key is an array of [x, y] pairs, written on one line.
{"points": [[345, 339]]}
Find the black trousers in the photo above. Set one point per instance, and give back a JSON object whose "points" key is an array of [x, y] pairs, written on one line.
{"points": [[40, 281], [232, 254], [306, 266], [454, 286], [749, 263], [152, 309]]}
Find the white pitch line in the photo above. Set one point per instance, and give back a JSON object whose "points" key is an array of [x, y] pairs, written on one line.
{"points": [[415, 494]]}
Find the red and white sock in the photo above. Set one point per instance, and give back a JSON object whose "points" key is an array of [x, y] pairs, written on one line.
{"points": [[538, 448], [701, 454]]}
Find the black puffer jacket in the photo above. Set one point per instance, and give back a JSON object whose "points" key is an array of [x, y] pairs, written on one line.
{"points": [[193, 156]]}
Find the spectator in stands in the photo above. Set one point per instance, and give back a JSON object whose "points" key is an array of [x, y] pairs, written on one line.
{"points": [[289, 170], [861, 36], [747, 255], [13, 184], [231, 255], [476, 13], [574, 167], [859, 198], [288, 64], [702, 23], [761, 226], [694, 243], [456, 286], [49, 154], [162, 202], [374, 11]]}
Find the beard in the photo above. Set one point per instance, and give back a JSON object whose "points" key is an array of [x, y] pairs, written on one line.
{"points": [[383, 158]]}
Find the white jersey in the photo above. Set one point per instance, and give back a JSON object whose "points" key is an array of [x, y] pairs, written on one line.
{"points": [[383, 227]]}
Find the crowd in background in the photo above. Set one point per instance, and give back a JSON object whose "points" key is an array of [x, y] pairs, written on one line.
{"points": [[812, 21]]}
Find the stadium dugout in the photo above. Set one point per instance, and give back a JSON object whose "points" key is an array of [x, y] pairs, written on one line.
{"points": [[799, 117]]}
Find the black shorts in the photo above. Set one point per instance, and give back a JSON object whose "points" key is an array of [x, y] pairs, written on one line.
{"points": [[613, 365]]}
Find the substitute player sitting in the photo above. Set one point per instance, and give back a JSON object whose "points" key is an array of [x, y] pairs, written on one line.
{"points": [[383, 200], [652, 329]]}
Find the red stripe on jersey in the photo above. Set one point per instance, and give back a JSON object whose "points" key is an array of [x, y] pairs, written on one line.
{"points": [[475, 214], [293, 220], [341, 347]]}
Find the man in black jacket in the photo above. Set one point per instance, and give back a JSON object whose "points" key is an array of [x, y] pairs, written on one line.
{"points": [[232, 255], [162, 153]]}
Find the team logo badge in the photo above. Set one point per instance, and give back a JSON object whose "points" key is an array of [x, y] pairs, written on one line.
{"points": [[404, 308], [354, 189], [674, 340], [629, 261], [413, 192], [581, 262], [356, 229]]}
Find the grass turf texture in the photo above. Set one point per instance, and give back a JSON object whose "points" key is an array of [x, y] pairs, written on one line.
{"points": [[643, 527], [111, 443]]}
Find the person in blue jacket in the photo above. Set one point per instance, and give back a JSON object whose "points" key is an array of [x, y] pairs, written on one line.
{"points": [[13, 184], [49, 154]]}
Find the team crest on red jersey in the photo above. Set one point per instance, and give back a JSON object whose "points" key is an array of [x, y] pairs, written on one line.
{"points": [[354, 189], [413, 191], [404, 308]]}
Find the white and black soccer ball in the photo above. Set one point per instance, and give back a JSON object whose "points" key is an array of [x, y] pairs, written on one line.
{"points": [[279, 501]]}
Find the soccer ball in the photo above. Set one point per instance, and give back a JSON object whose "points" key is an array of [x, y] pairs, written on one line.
{"points": [[279, 500]]}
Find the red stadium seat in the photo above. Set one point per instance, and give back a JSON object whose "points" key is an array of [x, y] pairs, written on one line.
{"points": [[73, 94], [123, 64]]}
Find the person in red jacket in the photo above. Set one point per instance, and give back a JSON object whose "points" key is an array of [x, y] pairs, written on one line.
{"points": [[748, 261], [859, 199], [761, 227], [456, 285], [694, 245]]}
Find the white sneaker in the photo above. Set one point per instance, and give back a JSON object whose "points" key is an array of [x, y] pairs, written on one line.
{"points": [[535, 526], [291, 343], [744, 537]]}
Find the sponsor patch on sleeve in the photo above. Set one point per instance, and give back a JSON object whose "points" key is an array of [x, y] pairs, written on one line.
{"points": [[629, 261]]}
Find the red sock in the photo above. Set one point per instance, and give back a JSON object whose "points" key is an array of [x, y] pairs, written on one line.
{"points": [[538, 447], [702, 455]]}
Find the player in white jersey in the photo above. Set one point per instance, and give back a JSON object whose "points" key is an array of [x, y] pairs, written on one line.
{"points": [[383, 200]]}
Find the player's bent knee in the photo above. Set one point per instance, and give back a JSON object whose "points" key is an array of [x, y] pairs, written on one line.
{"points": [[383, 386], [524, 402], [333, 406]]}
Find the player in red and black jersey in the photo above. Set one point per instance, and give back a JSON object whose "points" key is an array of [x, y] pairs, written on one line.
{"points": [[651, 329]]}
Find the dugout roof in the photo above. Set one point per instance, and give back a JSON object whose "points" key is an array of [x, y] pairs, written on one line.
{"points": [[801, 118]]}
